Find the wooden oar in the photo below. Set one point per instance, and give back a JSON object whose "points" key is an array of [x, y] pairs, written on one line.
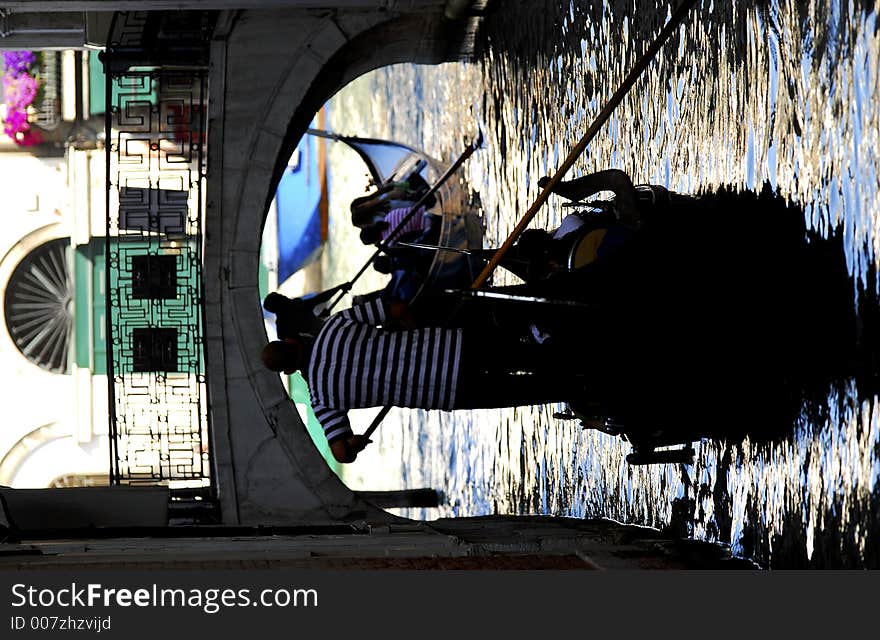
{"points": [[377, 421], [674, 21]]}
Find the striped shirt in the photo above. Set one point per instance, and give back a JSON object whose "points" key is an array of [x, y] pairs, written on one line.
{"points": [[355, 363], [419, 222]]}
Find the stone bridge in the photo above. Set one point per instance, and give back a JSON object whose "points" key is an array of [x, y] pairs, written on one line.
{"points": [[271, 70]]}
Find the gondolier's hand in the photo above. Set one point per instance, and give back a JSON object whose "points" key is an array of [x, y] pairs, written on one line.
{"points": [[345, 450]]}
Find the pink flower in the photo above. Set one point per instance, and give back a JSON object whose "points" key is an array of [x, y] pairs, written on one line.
{"points": [[29, 138], [20, 92], [15, 123]]}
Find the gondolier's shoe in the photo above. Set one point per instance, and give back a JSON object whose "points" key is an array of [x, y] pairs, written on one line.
{"points": [[626, 205]]}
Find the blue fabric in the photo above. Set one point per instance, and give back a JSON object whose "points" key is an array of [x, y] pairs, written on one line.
{"points": [[299, 217]]}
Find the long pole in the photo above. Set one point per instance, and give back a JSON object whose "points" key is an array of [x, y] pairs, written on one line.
{"points": [[674, 21], [377, 421]]}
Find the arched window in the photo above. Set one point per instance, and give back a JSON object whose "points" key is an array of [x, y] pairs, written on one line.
{"points": [[38, 306]]}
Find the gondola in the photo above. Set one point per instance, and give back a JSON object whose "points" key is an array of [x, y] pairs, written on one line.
{"points": [[716, 317]]}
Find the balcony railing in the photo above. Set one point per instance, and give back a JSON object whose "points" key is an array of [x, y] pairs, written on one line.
{"points": [[156, 153]]}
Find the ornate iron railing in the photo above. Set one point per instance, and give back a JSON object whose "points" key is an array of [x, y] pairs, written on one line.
{"points": [[156, 170], [49, 108]]}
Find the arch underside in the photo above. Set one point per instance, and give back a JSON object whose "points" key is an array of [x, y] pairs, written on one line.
{"points": [[270, 73]]}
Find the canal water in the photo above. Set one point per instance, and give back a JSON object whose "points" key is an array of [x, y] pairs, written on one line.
{"points": [[779, 91]]}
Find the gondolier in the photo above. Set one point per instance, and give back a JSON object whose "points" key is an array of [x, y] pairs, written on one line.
{"points": [[365, 356]]}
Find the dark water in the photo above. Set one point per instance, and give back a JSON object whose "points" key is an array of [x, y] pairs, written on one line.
{"points": [[784, 93]]}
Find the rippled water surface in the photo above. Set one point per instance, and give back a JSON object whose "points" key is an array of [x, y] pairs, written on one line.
{"points": [[746, 92]]}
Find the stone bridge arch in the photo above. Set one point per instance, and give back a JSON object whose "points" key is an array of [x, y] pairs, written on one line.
{"points": [[271, 70]]}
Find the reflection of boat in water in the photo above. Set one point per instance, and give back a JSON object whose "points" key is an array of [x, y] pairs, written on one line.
{"points": [[719, 317]]}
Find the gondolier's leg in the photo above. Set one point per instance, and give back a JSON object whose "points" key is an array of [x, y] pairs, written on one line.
{"points": [[499, 372], [490, 390]]}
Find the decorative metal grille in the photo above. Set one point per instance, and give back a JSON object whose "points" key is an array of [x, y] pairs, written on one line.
{"points": [[156, 159]]}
